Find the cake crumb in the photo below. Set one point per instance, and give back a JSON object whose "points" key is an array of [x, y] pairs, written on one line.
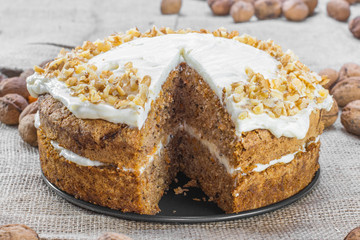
{"points": [[191, 183], [210, 199], [197, 199], [180, 190]]}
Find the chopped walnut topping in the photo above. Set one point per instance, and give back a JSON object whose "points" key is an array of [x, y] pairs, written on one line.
{"points": [[283, 96], [119, 91]]}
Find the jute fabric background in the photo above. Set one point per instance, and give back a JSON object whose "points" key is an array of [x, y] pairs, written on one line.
{"points": [[30, 32]]}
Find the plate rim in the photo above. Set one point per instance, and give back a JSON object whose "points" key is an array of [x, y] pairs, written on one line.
{"points": [[183, 219]]}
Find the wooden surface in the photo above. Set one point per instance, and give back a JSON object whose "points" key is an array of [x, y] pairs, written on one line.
{"points": [[30, 32]]}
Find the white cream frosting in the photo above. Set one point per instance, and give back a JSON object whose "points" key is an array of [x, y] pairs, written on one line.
{"points": [[37, 120], [83, 161], [218, 60], [150, 158], [73, 157]]}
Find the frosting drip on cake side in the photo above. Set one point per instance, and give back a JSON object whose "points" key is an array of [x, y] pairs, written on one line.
{"points": [[219, 61]]}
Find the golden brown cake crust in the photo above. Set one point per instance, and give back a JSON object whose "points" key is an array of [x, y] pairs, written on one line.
{"points": [[108, 185], [185, 97], [205, 113], [239, 192], [108, 142]]}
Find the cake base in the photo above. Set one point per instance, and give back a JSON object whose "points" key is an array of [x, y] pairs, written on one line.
{"points": [[183, 209]]}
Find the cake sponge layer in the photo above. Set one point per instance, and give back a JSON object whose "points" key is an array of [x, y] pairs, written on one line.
{"points": [[240, 192], [108, 185]]}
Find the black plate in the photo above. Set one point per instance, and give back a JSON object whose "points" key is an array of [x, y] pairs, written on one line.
{"points": [[183, 209]]}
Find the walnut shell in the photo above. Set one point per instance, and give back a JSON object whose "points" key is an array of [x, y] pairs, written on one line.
{"points": [[10, 72], [331, 74], [17, 232], [114, 236], [311, 4], [32, 108], [2, 77], [210, 2], [346, 91], [351, 2], [350, 117], [353, 234], [265, 9], [170, 6], [242, 11], [14, 85], [248, 1], [11, 105], [338, 9], [295, 10], [27, 73], [44, 63], [27, 130], [221, 7], [328, 118], [354, 27], [349, 70]]}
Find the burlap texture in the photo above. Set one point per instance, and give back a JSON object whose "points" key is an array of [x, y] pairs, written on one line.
{"points": [[330, 211]]}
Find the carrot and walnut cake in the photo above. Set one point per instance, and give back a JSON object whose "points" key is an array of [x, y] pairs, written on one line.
{"points": [[119, 118]]}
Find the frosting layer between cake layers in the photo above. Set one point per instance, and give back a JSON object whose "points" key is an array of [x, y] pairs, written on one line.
{"points": [[213, 149], [219, 61]]}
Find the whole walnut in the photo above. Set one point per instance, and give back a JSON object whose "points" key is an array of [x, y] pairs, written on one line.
{"points": [[295, 10], [331, 74], [45, 62], [14, 85], [328, 118], [17, 232], [338, 9], [221, 7], [354, 27], [32, 108], [210, 2], [27, 130], [2, 77], [346, 91], [242, 11], [248, 1], [27, 73], [349, 70], [311, 4], [350, 117], [353, 234], [265, 9], [11, 105], [170, 6], [114, 236]]}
